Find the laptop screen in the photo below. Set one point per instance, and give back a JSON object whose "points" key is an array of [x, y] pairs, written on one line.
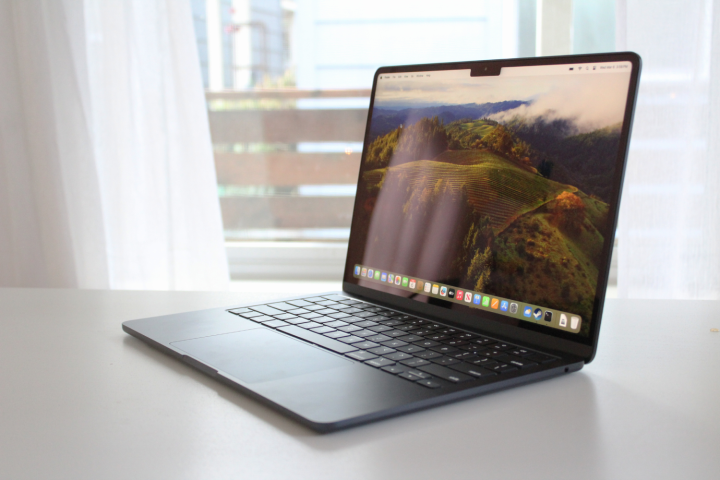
{"points": [[492, 193]]}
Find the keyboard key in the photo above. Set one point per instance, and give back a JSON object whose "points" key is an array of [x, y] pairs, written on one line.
{"points": [[395, 343], [338, 315], [238, 311], [445, 373], [380, 350], [444, 360], [380, 328], [309, 325], [282, 306], [428, 354], [366, 345], [466, 336], [298, 311], [472, 347], [465, 356], [444, 349], [336, 324], [519, 362], [364, 333], [473, 370], [490, 352], [352, 319], [504, 346], [485, 362], [342, 306], [326, 311], [391, 323], [437, 337], [421, 332], [350, 310], [521, 352], [315, 307], [410, 338], [366, 324], [418, 321], [394, 333], [448, 331], [409, 376], [337, 334], [415, 362], [361, 356], [251, 315], [484, 341], [276, 324], [397, 356], [317, 339], [406, 327], [380, 362], [310, 315], [377, 318], [375, 309], [411, 349], [350, 339], [285, 316], [328, 303], [324, 320], [427, 343], [323, 329], [394, 369], [352, 301], [379, 338], [263, 319], [296, 320], [428, 383], [455, 342], [299, 303], [349, 328], [420, 374], [264, 309], [503, 368]]}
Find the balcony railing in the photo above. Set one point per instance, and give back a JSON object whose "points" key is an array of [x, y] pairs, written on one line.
{"points": [[286, 170], [287, 162]]}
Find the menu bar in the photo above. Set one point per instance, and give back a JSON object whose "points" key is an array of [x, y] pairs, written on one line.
{"points": [[526, 71]]}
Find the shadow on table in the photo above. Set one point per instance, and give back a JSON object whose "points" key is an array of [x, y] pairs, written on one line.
{"points": [[537, 422]]}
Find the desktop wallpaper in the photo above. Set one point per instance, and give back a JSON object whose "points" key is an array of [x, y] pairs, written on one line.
{"points": [[493, 184]]}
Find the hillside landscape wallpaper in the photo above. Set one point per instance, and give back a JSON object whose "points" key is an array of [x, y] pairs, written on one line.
{"points": [[492, 184]]}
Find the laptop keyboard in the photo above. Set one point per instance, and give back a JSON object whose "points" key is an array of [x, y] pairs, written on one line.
{"points": [[412, 348]]}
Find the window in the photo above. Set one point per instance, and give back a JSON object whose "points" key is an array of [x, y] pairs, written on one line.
{"points": [[288, 85]]}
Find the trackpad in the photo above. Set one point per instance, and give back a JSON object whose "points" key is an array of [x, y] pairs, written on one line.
{"points": [[260, 355]]}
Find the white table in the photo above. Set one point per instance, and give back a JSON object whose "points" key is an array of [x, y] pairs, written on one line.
{"points": [[80, 399]]}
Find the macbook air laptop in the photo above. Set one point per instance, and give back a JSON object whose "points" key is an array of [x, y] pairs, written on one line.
{"points": [[479, 251]]}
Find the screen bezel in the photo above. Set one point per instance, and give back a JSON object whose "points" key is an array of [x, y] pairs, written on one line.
{"points": [[481, 320]]}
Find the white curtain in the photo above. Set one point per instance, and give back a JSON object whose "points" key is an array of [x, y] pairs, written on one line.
{"points": [[106, 170], [669, 234]]}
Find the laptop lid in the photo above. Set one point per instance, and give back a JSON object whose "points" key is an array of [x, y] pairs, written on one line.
{"points": [[488, 193]]}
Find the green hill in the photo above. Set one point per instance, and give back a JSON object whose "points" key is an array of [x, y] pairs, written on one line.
{"points": [[495, 187], [464, 133], [540, 259]]}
